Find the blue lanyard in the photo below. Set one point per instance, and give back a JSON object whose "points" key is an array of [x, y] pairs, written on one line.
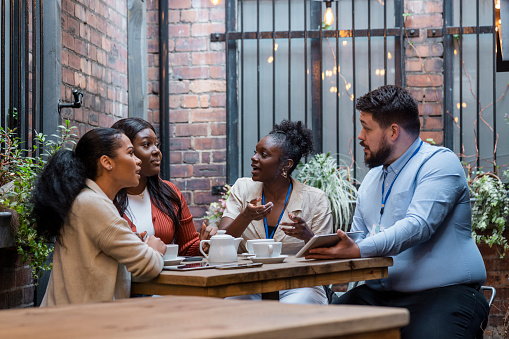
{"points": [[281, 216], [384, 199]]}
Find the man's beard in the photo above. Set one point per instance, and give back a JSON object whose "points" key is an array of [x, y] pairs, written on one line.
{"points": [[379, 157]]}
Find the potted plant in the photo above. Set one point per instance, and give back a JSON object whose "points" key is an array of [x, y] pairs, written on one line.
{"points": [[6, 234], [322, 171], [18, 170], [490, 210]]}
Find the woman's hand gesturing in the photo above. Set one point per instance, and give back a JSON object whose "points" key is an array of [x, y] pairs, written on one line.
{"points": [[253, 212], [297, 229]]}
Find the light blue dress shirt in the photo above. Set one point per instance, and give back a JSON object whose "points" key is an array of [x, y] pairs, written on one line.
{"points": [[426, 224]]}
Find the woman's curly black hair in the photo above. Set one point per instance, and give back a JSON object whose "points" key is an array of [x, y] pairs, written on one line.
{"points": [[64, 176], [294, 139]]}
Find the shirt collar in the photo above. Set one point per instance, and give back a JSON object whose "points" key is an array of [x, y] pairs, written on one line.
{"points": [[397, 165], [94, 187]]}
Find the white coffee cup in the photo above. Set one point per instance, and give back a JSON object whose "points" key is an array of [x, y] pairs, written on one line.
{"points": [[172, 251], [249, 244], [267, 249]]}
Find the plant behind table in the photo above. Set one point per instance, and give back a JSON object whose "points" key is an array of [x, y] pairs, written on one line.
{"points": [[490, 210], [216, 209], [322, 171], [18, 170]]}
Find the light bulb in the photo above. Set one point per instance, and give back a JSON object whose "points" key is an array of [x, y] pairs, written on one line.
{"points": [[328, 18], [215, 2]]}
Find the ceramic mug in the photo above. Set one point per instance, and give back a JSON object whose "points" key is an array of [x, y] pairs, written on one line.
{"points": [[249, 244], [267, 249], [172, 251]]}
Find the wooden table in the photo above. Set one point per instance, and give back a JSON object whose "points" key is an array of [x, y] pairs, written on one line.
{"points": [[293, 273], [197, 317]]}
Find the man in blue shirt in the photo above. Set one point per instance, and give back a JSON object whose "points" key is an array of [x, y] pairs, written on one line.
{"points": [[414, 205]]}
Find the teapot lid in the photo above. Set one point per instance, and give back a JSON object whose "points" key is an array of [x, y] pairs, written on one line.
{"points": [[221, 234]]}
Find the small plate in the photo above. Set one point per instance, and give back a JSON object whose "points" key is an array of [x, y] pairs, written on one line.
{"points": [[246, 255], [173, 262], [266, 260]]}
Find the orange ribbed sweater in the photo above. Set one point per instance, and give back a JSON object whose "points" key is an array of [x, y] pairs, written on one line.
{"points": [[187, 237]]}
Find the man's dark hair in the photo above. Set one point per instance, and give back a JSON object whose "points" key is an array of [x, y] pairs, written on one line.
{"points": [[391, 105]]}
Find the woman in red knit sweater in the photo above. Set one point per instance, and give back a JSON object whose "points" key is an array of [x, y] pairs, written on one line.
{"points": [[156, 206]]}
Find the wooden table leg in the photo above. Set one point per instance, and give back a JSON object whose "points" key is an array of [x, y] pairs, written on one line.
{"points": [[270, 295]]}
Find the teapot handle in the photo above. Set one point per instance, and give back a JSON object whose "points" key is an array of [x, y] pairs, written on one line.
{"points": [[201, 249]]}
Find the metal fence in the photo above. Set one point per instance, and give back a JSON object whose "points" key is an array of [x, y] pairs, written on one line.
{"points": [[21, 67], [475, 100], [283, 64]]}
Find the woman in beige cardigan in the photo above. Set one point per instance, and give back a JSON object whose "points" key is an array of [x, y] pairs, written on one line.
{"points": [[95, 250]]}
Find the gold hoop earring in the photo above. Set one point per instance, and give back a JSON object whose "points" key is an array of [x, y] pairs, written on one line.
{"points": [[284, 173]]}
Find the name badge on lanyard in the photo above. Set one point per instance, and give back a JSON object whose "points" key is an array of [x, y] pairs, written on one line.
{"points": [[376, 228]]}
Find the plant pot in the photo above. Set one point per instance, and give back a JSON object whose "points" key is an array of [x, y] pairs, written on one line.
{"points": [[6, 232]]}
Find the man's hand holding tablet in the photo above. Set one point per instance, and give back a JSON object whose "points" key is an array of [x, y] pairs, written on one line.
{"points": [[345, 248]]}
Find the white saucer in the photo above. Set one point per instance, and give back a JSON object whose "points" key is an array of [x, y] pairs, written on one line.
{"points": [[172, 262], [265, 260], [246, 255]]}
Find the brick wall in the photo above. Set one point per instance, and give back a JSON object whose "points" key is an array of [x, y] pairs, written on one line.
{"points": [[424, 65], [197, 101], [94, 59], [498, 276], [16, 283]]}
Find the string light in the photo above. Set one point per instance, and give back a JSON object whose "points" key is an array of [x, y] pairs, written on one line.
{"points": [[215, 2], [328, 18]]}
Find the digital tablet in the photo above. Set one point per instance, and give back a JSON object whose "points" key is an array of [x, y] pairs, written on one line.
{"points": [[322, 240]]}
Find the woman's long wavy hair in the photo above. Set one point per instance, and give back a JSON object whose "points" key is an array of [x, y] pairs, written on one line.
{"points": [[161, 194], [64, 176]]}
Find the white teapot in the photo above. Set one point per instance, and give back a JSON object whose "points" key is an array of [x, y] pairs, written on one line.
{"points": [[223, 248]]}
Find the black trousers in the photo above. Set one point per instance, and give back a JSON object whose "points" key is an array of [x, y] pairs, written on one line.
{"points": [[457, 311]]}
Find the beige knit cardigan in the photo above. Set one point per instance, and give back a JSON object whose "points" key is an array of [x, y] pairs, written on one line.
{"points": [[96, 252]]}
